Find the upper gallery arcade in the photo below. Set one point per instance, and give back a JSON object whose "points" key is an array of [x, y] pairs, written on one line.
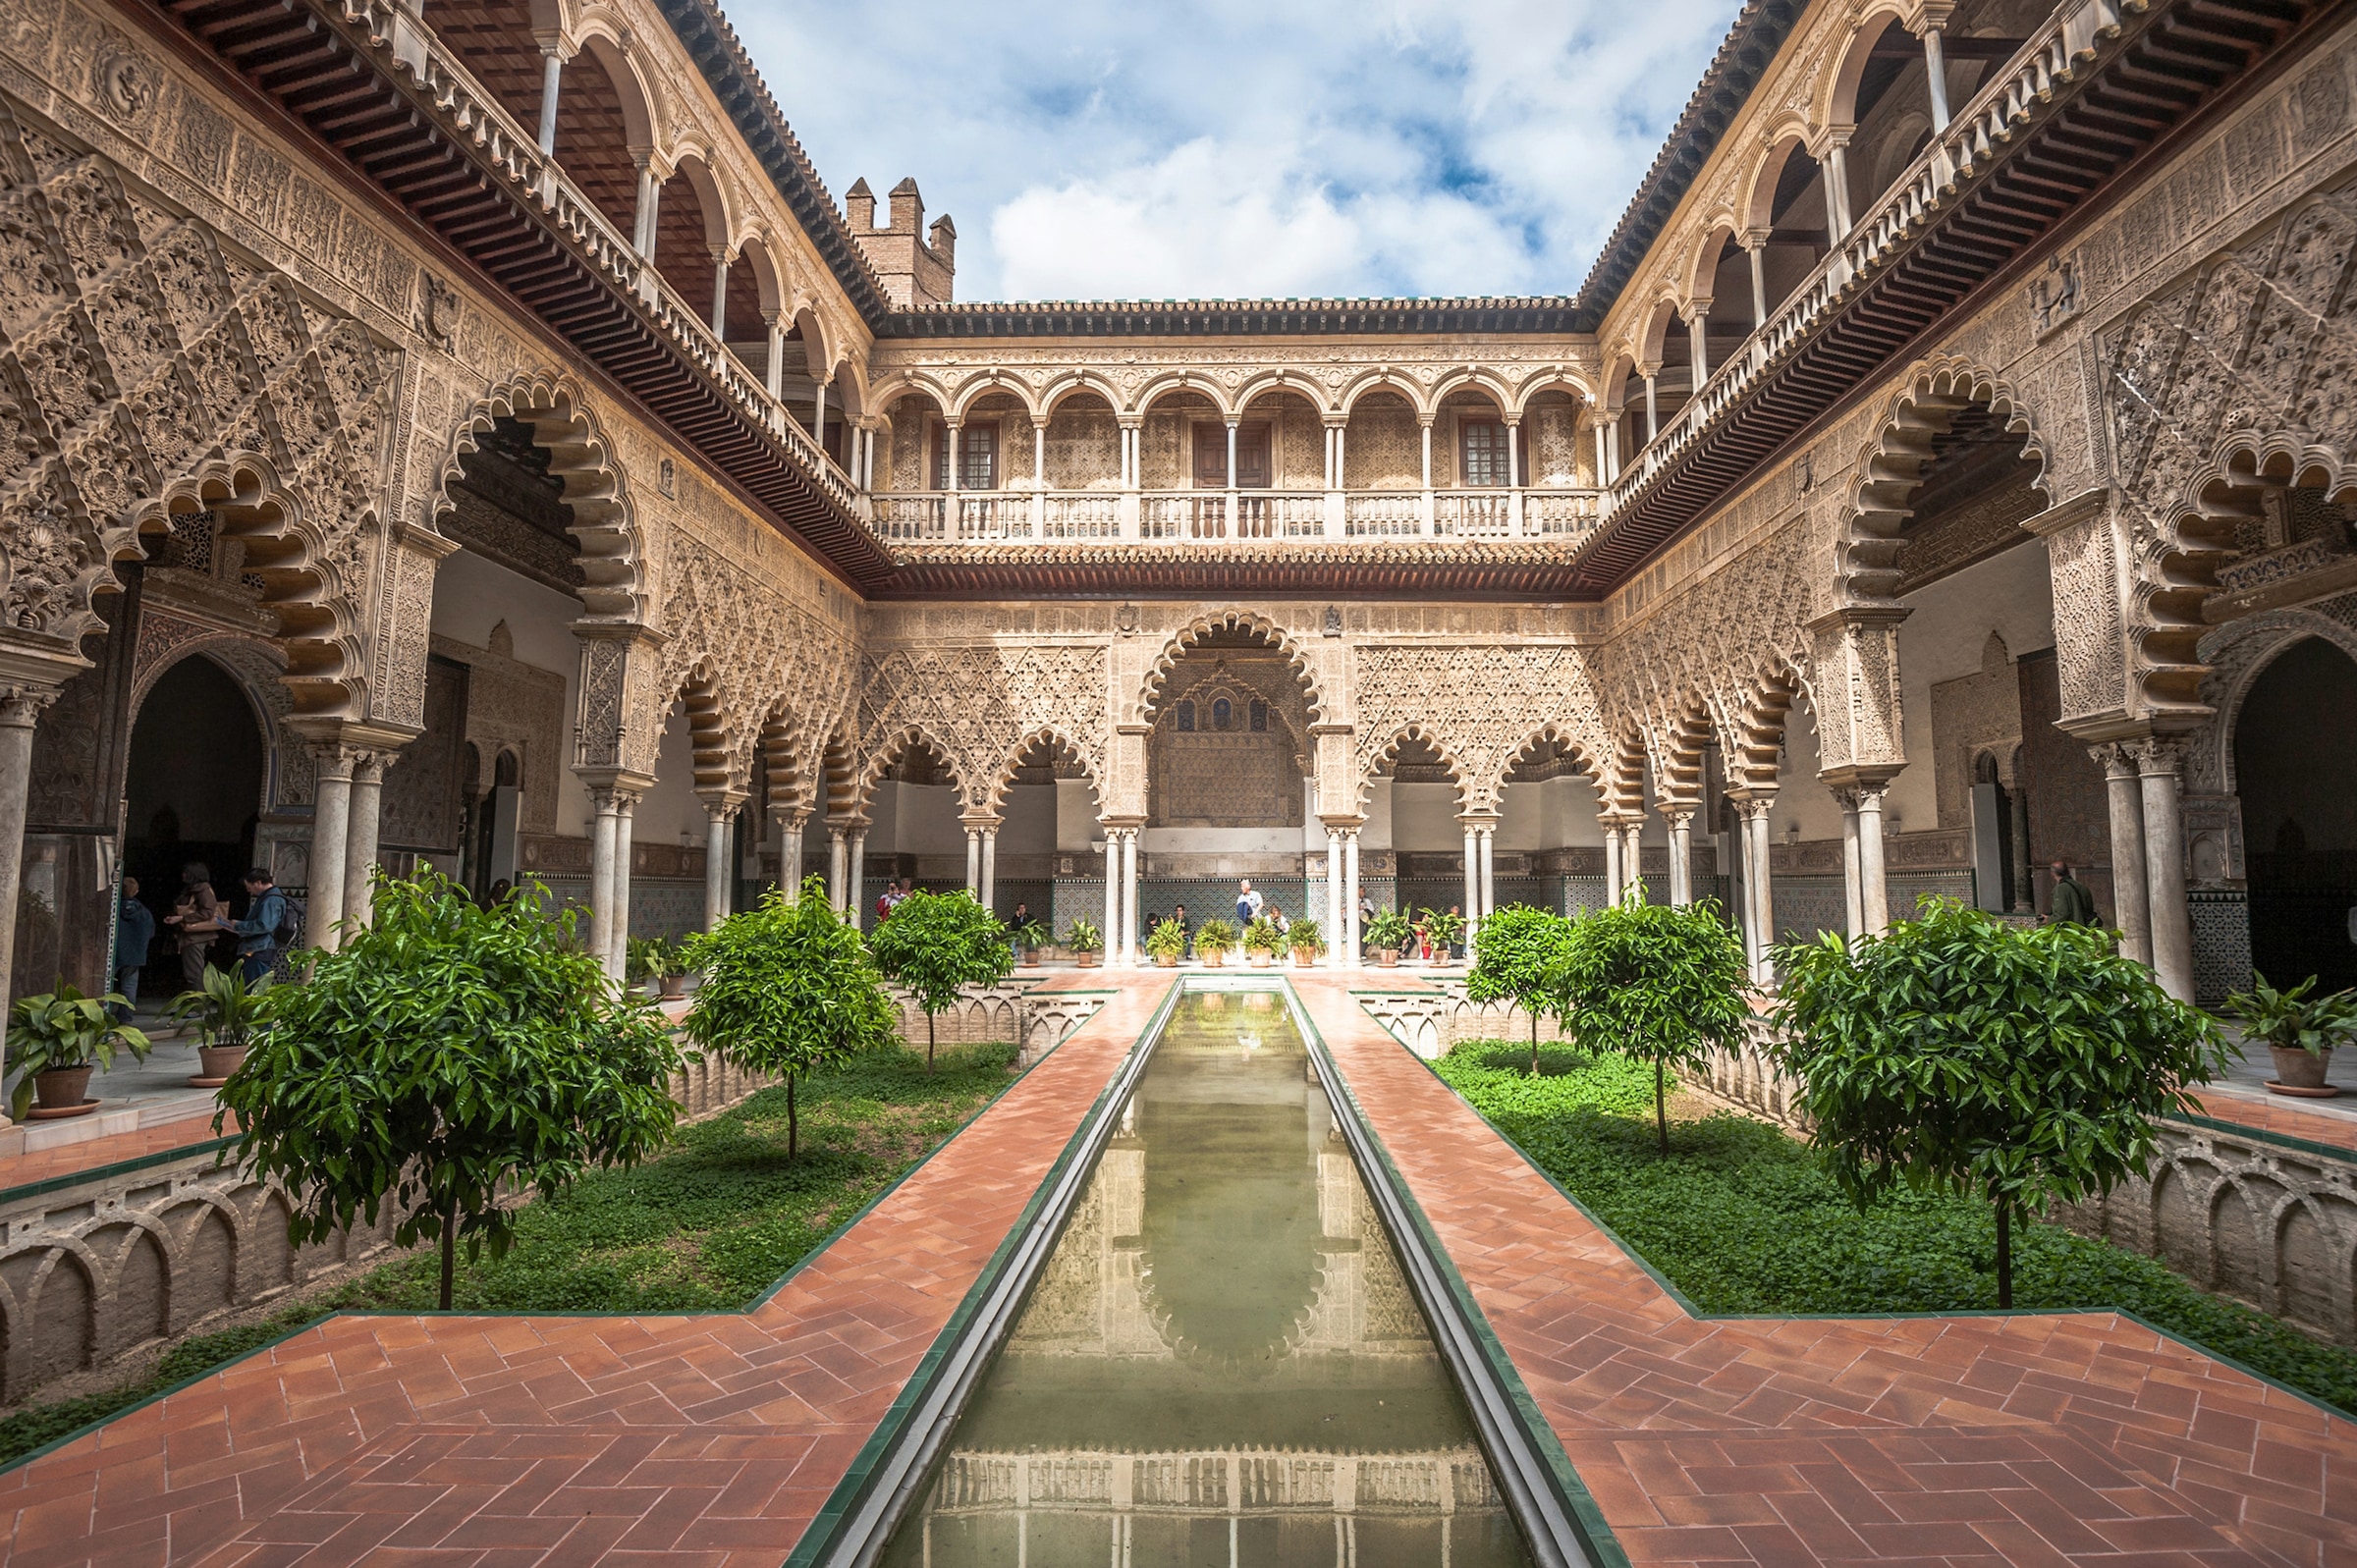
{"points": [[480, 428]]}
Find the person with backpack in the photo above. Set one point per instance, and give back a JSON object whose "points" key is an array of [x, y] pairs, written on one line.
{"points": [[269, 928]]}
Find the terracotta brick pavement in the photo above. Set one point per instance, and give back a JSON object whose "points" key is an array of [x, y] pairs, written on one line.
{"points": [[481, 1443], [2040, 1439], [2278, 1114], [65, 1159]]}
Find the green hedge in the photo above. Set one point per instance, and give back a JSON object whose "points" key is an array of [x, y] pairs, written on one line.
{"points": [[1743, 1219]]}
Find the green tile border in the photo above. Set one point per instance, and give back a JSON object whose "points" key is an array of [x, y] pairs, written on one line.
{"points": [[782, 1280], [119, 1168], [2260, 1135], [1688, 1307]]}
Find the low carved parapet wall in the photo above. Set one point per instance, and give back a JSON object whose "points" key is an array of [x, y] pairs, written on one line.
{"points": [[1010, 1013]]}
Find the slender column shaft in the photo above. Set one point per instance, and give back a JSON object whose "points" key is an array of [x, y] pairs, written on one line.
{"points": [[650, 197], [857, 880], [973, 861], [790, 861], [716, 866], [2131, 909], [1039, 457], [626, 816], [552, 71], [1612, 863], [1113, 896], [1852, 890], [1334, 949], [1680, 822], [1836, 177], [719, 298], [1230, 455], [20, 710], [2164, 868], [839, 864], [331, 820], [948, 480], [1632, 860], [1129, 896], [601, 878], [1873, 883], [1699, 346], [1653, 411], [818, 423], [1350, 890], [1763, 892], [1935, 66], [1472, 905], [1489, 872], [1514, 454], [1759, 286], [773, 367], [990, 868], [360, 840], [1426, 432]]}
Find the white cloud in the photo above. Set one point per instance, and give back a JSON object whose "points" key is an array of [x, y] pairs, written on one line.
{"points": [[1235, 147]]}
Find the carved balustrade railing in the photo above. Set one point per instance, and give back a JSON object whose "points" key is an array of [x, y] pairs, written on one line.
{"points": [[1218, 517], [2050, 55], [1382, 514]]}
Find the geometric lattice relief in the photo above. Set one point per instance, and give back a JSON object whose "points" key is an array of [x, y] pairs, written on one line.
{"points": [[982, 705], [1475, 704], [142, 362]]}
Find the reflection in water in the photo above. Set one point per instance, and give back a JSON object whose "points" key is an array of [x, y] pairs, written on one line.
{"points": [[1221, 1362]]}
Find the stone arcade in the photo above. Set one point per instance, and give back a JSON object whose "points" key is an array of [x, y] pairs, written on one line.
{"points": [[472, 434]]}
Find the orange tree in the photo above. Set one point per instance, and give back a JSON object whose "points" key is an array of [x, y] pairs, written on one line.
{"points": [[938, 944]]}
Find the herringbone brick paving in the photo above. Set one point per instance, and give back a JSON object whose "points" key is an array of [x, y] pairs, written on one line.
{"points": [[470, 1442], [2040, 1439]]}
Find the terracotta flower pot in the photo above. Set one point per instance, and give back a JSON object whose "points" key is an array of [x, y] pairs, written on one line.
{"points": [[61, 1089], [1087, 960], [672, 987], [1165, 960], [1386, 958], [2300, 1072], [219, 1061], [1304, 957], [1260, 960], [1212, 960]]}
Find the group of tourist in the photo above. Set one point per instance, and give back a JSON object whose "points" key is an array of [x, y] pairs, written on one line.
{"points": [[199, 918]]}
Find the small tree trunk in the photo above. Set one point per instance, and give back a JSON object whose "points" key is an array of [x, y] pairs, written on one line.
{"points": [[1534, 1044], [793, 1126], [1661, 1109], [2004, 1255], [450, 1249], [928, 1041]]}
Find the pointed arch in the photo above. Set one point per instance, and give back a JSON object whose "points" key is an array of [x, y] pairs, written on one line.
{"points": [[1388, 753], [892, 746], [613, 556], [1150, 692], [1752, 725], [1002, 777]]}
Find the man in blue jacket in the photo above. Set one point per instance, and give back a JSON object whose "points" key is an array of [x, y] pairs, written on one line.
{"points": [[135, 934], [258, 933]]}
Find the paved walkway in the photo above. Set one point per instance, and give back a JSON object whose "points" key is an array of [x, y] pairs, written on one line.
{"points": [[2036, 1439], [480, 1441]]}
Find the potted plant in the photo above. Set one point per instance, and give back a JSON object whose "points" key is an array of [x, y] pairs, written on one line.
{"points": [[1084, 941], [1214, 939], [223, 1009], [664, 962], [1443, 931], [1031, 936], [2300, 1030], [1308, 941], [1387, 933], [1262, 939], [56, 1040], [1166, 943]]}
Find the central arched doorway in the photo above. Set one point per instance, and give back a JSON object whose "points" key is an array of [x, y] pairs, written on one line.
{"points": [[192, 797], [2295, 770]]}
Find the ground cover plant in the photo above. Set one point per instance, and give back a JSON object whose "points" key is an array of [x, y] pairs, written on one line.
{"points": [[708, 1224], [1743, 1219]]}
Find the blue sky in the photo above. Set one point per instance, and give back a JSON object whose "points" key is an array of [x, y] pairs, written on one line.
{"points": [[1245, 147]]}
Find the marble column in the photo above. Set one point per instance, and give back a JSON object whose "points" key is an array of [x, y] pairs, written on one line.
{"points": [[1854, 915], [331, 820], [837, 866], [552, 76], [1129, 898], [2157, 761], [1632, 860], [716, 864], [790, 858], [1334, 895], [1351, 920], [1679, 820], [1489, 870], [360, 840], [990, 868], [626, 812], [1113, 896], [973, 861], [2131, 912], [601, 876], [19, 709], [1472, 903], [1874, 884], [1611, 864], [856, 879]]}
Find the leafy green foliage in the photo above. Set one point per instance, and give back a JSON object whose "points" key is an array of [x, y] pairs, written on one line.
{"points": [[1657, 983], [1215, 936], [1517, 955], [789, 988], [1082, 936], [224, 1008], [654, 958], [1032, 936], [1957, 1051], [1307, 936], [1441, 927], [1742, 1218], [1167, 939], [443, 1055], [937, 945], [2293, 1019], [1388, 929], [1262, 935], [62, 1029]]}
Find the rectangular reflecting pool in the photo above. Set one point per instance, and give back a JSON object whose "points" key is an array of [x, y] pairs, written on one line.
{"points": [[1221, 1363]]}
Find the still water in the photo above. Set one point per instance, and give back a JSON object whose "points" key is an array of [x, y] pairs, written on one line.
{"points": [[1221, 1363]]}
